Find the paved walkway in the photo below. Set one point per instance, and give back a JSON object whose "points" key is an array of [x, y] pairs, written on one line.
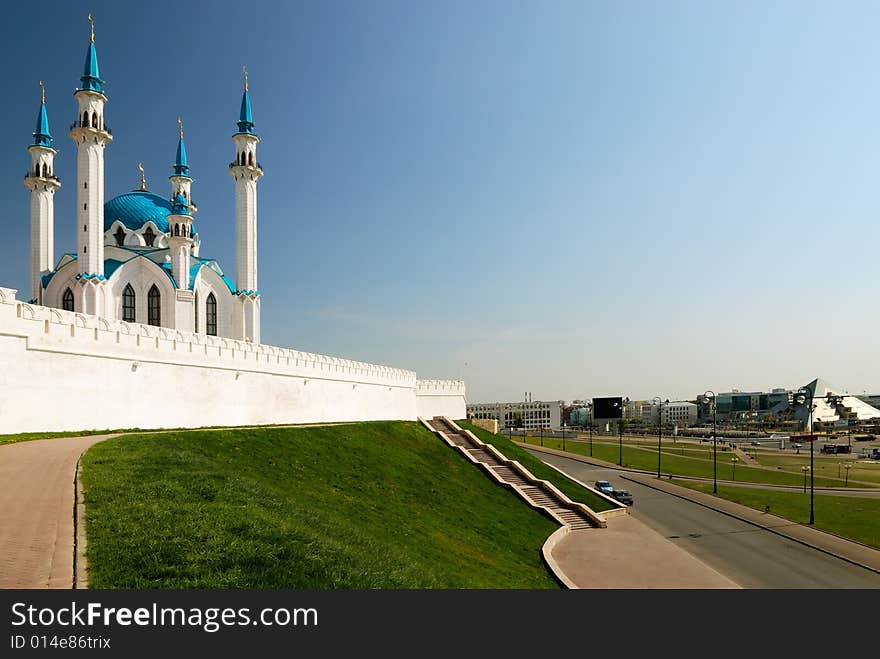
{"points": [[36, 511], [628, 554]]}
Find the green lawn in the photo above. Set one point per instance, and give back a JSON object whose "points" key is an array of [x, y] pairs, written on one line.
{"points": [[855, 518], [367, 505], [539, 469], [686, 459]]}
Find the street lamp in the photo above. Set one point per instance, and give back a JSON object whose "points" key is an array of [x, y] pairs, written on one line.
{"points": [[591, 429], [734, 460], [802, 398], [659, 402], [805, 469], [509, 424], [708, 397], [847, 466], [620, 442], [563, 435]]}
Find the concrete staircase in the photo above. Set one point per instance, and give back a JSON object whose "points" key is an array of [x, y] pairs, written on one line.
{"points": [[539, 494]]}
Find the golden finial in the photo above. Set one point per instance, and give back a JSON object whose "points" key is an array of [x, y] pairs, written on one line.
{"points": [[143, 178], [91, 28], [244, 70], [180, 127], [42, 93]]}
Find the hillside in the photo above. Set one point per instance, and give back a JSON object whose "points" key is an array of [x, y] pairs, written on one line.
{"points": [[367, 505]]}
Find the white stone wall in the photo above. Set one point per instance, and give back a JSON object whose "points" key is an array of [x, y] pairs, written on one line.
{"points": [[69, 371]]}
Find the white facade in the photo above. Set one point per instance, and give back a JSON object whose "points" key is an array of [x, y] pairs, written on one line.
{"points": [[201, 380], [535, 414], [137, 257], [677, 413]]}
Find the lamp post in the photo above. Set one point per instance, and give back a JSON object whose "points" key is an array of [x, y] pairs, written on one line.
{"points": [[709, 396], [620, 442], [847, 468], [541, 425], [591, 430], [509, 424], [659, 401], [805, 469], [563, 435], [734, 460], [802, 398]]}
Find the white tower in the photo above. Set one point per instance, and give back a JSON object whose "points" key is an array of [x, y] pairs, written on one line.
{"points": [[246, 172], [42, 183], [91, 136]]}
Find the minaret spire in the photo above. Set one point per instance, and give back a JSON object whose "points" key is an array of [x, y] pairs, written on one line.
{"points": [[143, 178], [43, 184], [246, 172], [91, 135]]}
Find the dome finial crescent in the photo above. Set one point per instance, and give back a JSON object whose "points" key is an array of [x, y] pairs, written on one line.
{"points": [[143, 178]]}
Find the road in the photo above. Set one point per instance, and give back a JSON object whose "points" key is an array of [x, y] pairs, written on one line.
{"points": [[751, 556]]}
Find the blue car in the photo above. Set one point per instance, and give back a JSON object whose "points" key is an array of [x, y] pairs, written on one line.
{"points": [[604, 487]]}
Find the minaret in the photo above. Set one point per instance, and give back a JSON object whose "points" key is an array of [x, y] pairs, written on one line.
{"points": [[180, 240], [181, 181], [91, 136], [246, 171], [42, 183]]}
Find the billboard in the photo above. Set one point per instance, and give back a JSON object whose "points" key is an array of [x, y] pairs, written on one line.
{"points": [[608, 408]]}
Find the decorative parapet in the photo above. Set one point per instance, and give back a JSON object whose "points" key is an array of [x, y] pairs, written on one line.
{"points": [[60, 330], [440, 388]]}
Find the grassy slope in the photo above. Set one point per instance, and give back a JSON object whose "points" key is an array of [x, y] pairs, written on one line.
{"points": [[372, 505], [849, 517], [540, 470]]}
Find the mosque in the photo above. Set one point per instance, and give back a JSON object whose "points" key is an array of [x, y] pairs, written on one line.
{"points": [[138, 257]]}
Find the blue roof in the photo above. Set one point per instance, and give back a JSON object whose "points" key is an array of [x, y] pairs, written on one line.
{"points": [[134, 209], [181, 167], [245, 118], [179, 205], [41, 134], [91, 79]]}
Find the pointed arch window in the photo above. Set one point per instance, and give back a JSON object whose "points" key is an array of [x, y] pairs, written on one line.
{"points": [[251, 158], [211, 315], [128, 304], [154, 300], [149, 237], [94, 119], [120, 236], [67, 300]]}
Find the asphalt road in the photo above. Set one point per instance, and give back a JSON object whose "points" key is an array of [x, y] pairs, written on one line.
{"points": [[751, 556]]}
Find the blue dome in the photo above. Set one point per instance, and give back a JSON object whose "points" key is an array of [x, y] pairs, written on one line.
{"points": [[134, 209]]}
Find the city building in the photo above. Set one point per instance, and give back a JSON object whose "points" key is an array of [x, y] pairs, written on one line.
{"points": [[675, 413], [534, 414]]}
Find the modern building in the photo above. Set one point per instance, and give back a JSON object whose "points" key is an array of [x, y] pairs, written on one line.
{"points": [[535, 414], [675, 413]]}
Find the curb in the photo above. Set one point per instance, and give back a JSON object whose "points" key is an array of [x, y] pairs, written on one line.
{"points": [[80, 566]]}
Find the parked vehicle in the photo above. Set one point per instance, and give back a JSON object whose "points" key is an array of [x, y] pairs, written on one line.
{"points": [[623, 496], [605, 487]]}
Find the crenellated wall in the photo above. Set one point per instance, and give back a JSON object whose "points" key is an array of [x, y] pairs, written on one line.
{"points": [[62, 370]]}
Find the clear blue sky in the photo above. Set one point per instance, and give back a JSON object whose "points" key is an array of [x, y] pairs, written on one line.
{"points": [[569, 198]]}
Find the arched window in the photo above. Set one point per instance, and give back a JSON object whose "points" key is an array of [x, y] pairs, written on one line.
{"points": [[94, 119], [67, 300], [176, 229], [154, 316], [149, 237], [37, 170], [85, 121], [251, 158], [45, 170], [211, 315], [120, 236], [128, 304]]}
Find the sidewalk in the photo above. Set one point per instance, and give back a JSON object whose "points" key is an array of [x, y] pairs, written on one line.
{"points": [[37, 498]]}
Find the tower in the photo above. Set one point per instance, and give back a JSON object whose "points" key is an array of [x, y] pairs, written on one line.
{"points": [[181, 181], [246, 172], [90, 135], [42, 183]]}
